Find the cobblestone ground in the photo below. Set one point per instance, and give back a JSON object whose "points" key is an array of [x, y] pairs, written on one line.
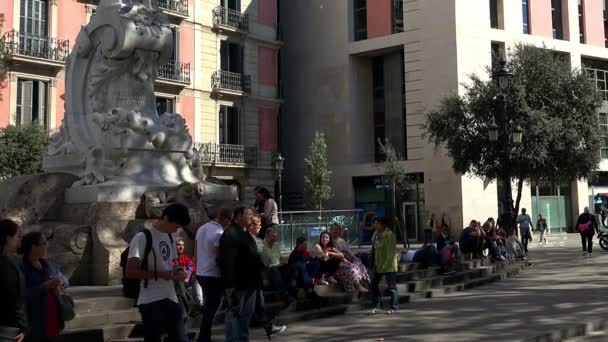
{"points": [[561, 289]]}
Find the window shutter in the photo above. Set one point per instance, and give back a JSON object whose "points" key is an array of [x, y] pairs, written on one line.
{"points": [[26, 102], [224, 58], [41, 110]]}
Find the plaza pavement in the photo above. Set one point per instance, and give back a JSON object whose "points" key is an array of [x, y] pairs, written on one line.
{"points": [[559, 293]]}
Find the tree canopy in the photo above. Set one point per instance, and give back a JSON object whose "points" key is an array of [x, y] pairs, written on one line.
{"points": [[555, 105], [21, 150]]}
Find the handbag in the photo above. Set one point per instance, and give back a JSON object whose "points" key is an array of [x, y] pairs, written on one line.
{"points": [[66, 305], [584, 227]]}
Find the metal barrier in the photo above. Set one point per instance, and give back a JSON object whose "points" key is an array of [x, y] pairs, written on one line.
{"points": [[310, 224], [175, 71], [228, 17], [43, 47]]}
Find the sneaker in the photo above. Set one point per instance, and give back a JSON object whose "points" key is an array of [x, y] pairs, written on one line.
{"points": [[274, 329], [374, 311], [392, 311], [585, 253], [322, 282]]}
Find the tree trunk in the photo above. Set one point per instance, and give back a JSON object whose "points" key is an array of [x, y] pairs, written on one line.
{"points": [[520, 185]]}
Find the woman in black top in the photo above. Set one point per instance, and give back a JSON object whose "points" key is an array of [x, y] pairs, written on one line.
{"points": [[586, 225], [13, 323]]}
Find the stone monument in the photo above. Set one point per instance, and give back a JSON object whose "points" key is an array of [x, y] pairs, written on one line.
{"points": [[115, 163]]}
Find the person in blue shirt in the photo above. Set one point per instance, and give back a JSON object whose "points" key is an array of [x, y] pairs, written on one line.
{"points": [[525, 225]]}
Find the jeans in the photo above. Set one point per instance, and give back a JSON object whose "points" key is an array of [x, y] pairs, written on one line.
{"points": [[587, 242], [303, 273], [526, 236], [163, 315], [239, 310], [391, 281], [542, 237], [276, 278], [260, 313], [212, 298]]}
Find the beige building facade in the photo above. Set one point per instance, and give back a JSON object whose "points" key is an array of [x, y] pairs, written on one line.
{"points": [[369, 70]]}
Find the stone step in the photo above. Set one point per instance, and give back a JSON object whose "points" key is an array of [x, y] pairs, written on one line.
{"points": [[99, 319], [103, 304]]}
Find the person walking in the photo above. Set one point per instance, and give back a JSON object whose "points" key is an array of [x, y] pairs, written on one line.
{"points": [[151, 256], [384, 264], [586, 225], [207, 271], [525, 225], [13, 319], [42, 281], [241, 267], [541, 226]]}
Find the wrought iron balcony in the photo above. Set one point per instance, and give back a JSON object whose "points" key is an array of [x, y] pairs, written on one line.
{"points": [[15, 44], [226, 17], [600, 78], [175, 72], [177, 6], [222, 80], [211, 153]]}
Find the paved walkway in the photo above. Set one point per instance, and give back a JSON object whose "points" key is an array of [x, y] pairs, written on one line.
{"points": [[561, 289]]}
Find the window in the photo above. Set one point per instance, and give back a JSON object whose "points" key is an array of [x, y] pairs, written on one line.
{"points": [[498, 53], [232, 4], [525, 10], [165, 105], [494, 14], [360, 13], [229, 125], [605, 23], [231, 55], [581, 22], [175, 55], [604, 135], [397, 16], [556, 19], [33, 26], [32, 97], [379, 106]]}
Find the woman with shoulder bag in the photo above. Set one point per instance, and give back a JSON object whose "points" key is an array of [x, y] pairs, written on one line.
{"points": [[44, 286], [13, 322], [586, 226]]}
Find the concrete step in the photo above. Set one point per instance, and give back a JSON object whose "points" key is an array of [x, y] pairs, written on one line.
{"points": [[103, 304], [103, 318]]}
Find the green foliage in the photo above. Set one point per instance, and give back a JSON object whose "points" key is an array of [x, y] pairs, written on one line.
{"points": [[317, 177], [3, 60], [21, 150], [393, 170], [557, 107]]}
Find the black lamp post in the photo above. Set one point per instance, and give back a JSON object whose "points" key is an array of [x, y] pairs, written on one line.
{"points": [[506, 136], [278, 164]]}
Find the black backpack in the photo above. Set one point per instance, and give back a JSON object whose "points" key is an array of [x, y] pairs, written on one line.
{"points": [[130, 287]]}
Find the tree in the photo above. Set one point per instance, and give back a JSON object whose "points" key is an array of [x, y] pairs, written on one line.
{"points": [[556, 106], [396, 178], [3, 60], [317, 178], [21, 150]]}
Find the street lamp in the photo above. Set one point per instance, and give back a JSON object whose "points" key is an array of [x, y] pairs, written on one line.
{"points": [[278, 165], [501, 133]]}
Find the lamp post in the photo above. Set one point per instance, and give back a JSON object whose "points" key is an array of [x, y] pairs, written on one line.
{"points": [[278, 164], [506, 136]]}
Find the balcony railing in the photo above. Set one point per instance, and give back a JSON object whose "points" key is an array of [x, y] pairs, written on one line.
{"points": [[600, 78], [227, 17], [230, 81], [211, 153], [172, 71], [178, 6], [24, 44]]}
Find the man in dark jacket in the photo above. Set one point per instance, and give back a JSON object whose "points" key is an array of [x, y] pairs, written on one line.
{"points": [[586, 225], [241, 267]]}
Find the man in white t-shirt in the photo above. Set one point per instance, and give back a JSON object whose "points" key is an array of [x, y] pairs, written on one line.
{"points": [[158, 304], [207, 272]]}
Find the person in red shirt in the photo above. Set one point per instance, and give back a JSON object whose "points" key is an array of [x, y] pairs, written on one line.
{"points": [[186, 263]]}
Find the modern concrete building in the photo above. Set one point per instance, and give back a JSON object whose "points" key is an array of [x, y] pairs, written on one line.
{"points": [[363, 70], [223, 77]]}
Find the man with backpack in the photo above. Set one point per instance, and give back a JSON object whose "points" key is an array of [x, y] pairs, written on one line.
{"points": [[150, 260]]}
